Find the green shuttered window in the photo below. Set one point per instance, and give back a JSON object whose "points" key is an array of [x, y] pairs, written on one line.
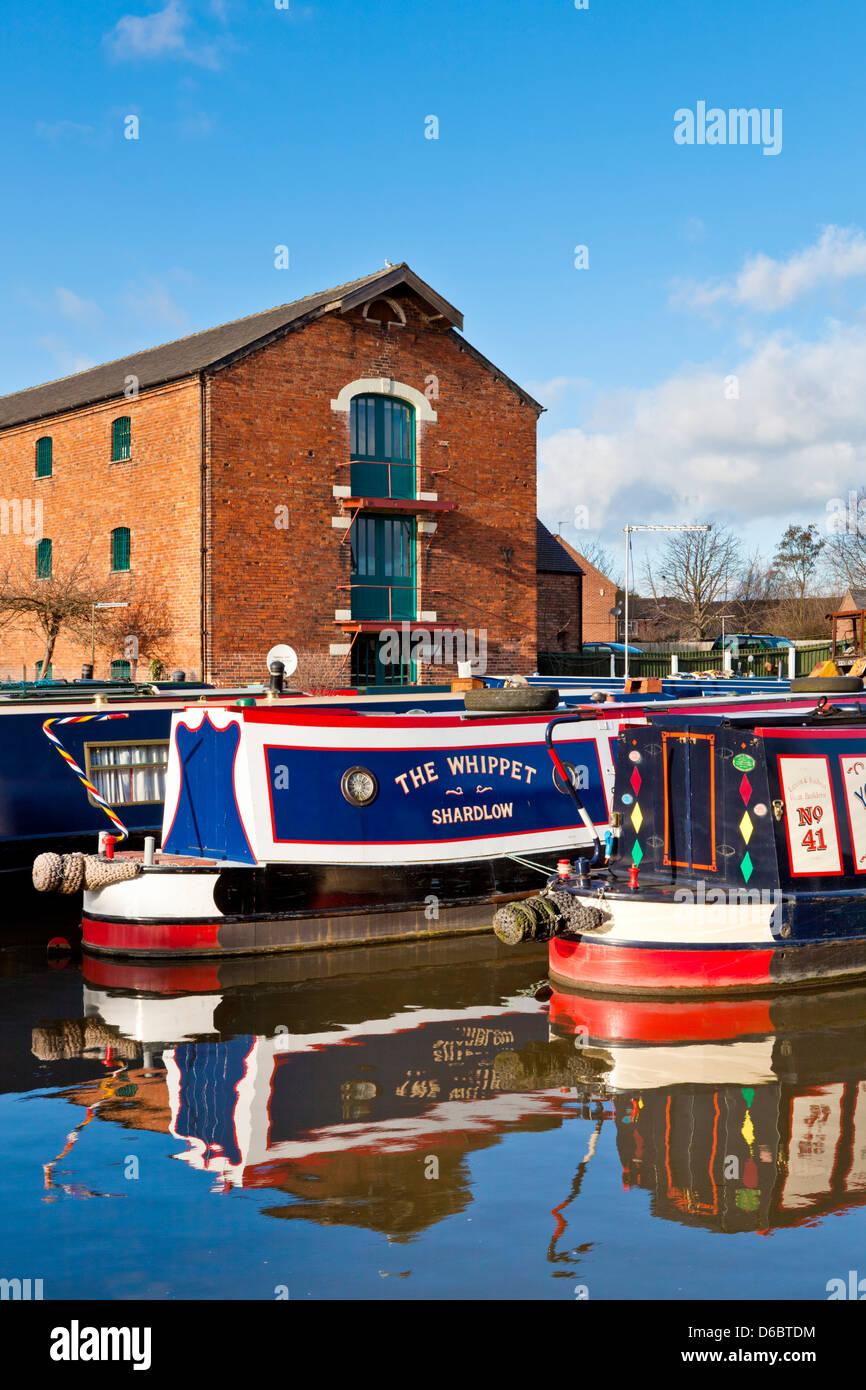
{"points": [[44, 456], [121, 438], [120, 548], [43, 559]]}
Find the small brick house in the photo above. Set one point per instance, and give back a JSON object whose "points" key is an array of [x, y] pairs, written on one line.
{"points": [[317, 474], [574, 598]]}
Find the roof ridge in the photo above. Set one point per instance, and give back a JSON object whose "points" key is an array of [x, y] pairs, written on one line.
{"points": [[200, 332]]}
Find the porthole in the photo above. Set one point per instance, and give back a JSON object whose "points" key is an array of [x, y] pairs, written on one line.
{"points": [[359, 786], [572, 776]]}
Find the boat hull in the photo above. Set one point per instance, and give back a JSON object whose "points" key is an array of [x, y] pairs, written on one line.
{"points": [[211, 910], [651, 947]]}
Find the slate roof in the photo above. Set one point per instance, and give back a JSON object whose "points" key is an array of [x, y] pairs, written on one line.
{"points": [[551, 554], [213, 347]]}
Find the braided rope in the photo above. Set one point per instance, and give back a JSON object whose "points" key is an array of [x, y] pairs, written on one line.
{"points": [[70, 761]]}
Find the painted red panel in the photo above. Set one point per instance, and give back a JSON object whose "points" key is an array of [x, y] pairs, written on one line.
{"points": [[589, 964]]}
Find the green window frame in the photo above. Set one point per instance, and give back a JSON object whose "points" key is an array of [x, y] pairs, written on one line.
{"points": [[383, 567], [44, 456], [48, 674], [382, 447], [43, 559], [120, 548], [121, 670], [368, 667], [121, 438]]}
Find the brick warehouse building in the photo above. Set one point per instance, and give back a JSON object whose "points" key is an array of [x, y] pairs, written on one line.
{"points": [[312, 474], [574, 597]]}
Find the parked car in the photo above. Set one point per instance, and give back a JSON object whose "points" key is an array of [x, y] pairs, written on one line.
{"points": [[605, 649], [736, 641]]}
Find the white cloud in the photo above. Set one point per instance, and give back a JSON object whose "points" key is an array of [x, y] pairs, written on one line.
{"points": [[67, 359], [152, 302], [72, 306], [61, 130], [793, 439], [557, 388], [769, 285], [159, 35]]}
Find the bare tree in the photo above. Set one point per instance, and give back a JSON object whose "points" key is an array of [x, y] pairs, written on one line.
{"points": [[796, 562], [61, 601], [603, 559], [752, 601], [698, 568], [143, 629]]}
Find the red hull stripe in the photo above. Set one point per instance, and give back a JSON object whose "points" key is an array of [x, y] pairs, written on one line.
{"points": [[157, 938], [588, 964], [661, 1021], [186, 978]]}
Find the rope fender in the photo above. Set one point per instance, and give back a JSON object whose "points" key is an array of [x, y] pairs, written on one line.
{"points": [[538, 919], [69, 873]]}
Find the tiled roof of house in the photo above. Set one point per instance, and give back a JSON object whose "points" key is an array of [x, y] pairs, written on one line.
{"points": [[186, 356]]}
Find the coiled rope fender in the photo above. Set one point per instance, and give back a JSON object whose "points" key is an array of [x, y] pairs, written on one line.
{"points": [[69, 873], [538, 919]]}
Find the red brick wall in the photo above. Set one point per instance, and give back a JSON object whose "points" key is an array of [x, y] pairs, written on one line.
{"points": [[559, 612], [599, 596], [273, 440], [155, 493]]}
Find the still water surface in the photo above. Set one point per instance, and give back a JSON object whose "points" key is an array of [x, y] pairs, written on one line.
{"points": [[411, 1122]]}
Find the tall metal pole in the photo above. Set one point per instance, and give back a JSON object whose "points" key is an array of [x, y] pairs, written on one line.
{"points": [[627, 549]]}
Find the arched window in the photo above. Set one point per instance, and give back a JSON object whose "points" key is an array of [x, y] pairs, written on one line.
{"points": [[43, 559], [382, 444], [121, 671], [121, 438], [120, 548], [44, 456]]}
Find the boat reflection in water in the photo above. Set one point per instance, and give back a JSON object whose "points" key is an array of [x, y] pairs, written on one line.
{"points": [[737, 1115], [344, 1081]]}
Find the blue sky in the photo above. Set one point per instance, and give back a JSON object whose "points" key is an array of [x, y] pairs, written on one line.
{"points": [[305, 126]]}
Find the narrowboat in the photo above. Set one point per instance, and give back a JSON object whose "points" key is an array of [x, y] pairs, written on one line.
{"points": [[288, 828], [739, 860]]}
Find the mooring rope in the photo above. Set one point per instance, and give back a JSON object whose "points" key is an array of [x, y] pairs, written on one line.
{"points": [[70, 761], [527, 863]]}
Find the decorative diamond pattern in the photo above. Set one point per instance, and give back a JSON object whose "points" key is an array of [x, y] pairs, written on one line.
{"points": [[746, 827], [635, 780], [746, 866], [745, 789], [637, 818], [636, 853]]}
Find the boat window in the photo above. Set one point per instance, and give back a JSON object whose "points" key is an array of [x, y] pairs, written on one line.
{"points": [[128, 773]]}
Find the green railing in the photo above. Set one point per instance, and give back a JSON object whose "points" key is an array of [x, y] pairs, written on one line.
{"points": [[808, 657], [658, 664]]}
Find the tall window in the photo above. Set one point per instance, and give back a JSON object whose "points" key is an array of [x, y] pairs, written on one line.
{"points": [[383, 567], [43, 559], [121, 438], [382, 442], [120, 548], [44, 455], [371, 666]]}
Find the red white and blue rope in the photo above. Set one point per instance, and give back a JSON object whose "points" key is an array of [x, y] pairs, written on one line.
{"points": [[70, 761]]}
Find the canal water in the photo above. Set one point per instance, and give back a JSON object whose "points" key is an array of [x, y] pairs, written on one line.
{"points": [[412, 1122]]}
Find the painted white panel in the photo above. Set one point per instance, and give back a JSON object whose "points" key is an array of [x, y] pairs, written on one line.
{"points": [[854, 777], [810, 815]]}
